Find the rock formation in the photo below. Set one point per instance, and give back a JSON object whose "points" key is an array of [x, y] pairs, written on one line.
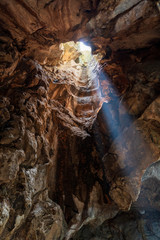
{"points": [[79, 140]]}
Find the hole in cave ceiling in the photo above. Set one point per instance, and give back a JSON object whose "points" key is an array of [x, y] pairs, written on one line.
{"points": [[78, 52], [76, 82]]}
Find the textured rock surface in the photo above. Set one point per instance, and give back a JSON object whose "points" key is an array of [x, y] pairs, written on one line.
{"points": [[79, 145], [130, 225], [76, 86], [130, 154]]}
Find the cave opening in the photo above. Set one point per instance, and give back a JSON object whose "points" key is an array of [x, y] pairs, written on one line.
{"points": [[76, 76], [77, 51]]}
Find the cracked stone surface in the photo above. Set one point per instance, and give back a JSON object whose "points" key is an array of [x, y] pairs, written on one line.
{"points": [[79, 143]]}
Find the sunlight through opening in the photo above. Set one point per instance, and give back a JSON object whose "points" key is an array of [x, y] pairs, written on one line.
{"points": [[84, 47]]}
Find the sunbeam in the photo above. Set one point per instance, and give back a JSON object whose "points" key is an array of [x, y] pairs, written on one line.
{"points": [[130, 152], [84, 47]]}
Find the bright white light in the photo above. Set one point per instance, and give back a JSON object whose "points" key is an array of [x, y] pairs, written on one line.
{"points": [[84, 47]]}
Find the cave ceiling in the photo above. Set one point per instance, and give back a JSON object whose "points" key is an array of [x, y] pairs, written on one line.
{"points": [[79, 128]]}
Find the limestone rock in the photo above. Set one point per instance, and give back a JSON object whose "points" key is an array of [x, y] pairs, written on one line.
{"points": [[130, 154], [4, 210], [76, 139], [47, 222], [10, 160]]}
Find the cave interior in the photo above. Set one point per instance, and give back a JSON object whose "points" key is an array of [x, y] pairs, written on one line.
{"points": [[79, 120]]}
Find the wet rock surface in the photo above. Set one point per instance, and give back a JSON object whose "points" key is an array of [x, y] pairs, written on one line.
{"points": [[79, 144]]}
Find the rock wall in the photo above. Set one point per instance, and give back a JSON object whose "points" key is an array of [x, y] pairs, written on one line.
{"points": [[71, 169]]}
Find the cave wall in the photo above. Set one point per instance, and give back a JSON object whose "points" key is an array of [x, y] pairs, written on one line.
{"points": [[62, 177]]}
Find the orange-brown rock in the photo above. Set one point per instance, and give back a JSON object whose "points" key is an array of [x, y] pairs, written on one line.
{"points": [[79, 137]]}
